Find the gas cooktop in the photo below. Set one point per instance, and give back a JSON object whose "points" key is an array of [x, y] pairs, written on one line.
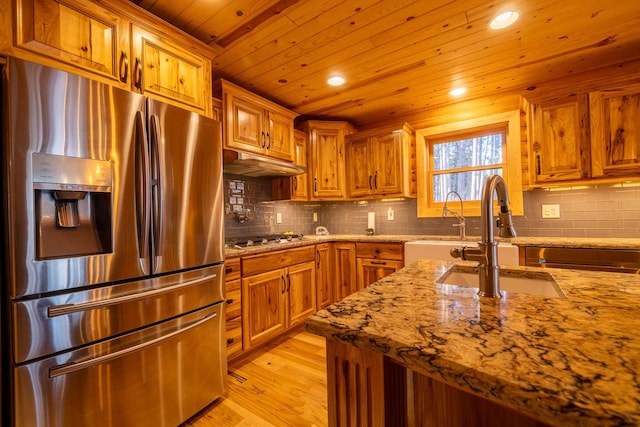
{"points": [[266, 239]]}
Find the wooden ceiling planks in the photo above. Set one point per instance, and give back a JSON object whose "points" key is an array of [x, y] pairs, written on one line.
{"points": [[401, 57]]}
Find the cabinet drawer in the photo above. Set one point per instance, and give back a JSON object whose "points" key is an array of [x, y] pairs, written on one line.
{"points": [[234, 336], [268, 262], [392, 251], [234, 305], [231, 269]]}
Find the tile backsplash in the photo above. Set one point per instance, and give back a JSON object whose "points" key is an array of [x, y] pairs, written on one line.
{"points": [[600, 211]]}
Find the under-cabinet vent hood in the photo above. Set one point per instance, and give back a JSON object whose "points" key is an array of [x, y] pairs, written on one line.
{"points": [[239, 163]]}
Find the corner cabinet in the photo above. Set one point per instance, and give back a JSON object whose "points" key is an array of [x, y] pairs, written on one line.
{"points": [[255, 125], [615, 132], [382, 163], [294, 187], [118, 43], [327, 158], [560, 141], [276, 300]]}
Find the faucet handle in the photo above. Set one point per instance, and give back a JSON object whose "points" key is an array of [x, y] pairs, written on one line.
{"points": [[456, 252]]}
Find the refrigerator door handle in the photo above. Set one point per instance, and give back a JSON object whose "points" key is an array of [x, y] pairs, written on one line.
{"points": [[143, 193], [68, 368], [64, 309], [156, 184]]}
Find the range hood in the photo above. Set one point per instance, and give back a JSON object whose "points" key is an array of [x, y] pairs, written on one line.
{"points": [[240, 163]]}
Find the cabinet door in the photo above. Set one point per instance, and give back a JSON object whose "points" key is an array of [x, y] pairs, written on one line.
{"points": [[263, 307], [324, 294], [560, 148], [387, 164], [372, 270], [615, 133], [300, 190], [360, 180], [85, 36], [328, 164], [301, 289], [280, 136], [344, 269], [170, 73], [244, 123]]}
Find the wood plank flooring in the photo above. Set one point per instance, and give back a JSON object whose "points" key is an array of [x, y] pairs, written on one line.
{"points": [[285, 384]]}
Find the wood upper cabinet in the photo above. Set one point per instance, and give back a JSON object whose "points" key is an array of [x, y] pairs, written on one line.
{"points": [[114, 41], [294, 187], [615, 132], [381, 162], [560, 141], [82, 34], [254, 124], [377, 260], [169, 72], [324, 282], [327, 158], [344, 269]]}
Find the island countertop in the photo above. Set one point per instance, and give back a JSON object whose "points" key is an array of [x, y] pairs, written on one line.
{"points": [[571, 361]]}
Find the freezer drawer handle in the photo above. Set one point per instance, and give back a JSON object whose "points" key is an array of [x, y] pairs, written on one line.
{"points": [[61, 310], [68, 368]]}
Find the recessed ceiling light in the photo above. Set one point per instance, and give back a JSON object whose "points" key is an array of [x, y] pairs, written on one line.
{"points": [[459, 91], [504, 20], [336, 80]]}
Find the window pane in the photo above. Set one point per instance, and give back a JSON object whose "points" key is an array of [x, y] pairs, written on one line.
{"points": [[479, 151], [467, 184]]}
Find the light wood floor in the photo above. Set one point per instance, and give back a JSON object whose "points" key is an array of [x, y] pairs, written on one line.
{"points": [[283, 385]]}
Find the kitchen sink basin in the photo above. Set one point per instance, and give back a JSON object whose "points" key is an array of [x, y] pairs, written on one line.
{"points": [[518, 281], [439, 250]]}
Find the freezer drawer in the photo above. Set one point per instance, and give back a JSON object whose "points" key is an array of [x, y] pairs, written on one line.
{"points": [[58, 323], [159, 376]]}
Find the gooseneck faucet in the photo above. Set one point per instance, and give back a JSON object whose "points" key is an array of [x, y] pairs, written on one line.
{"points": [[460, 217], [487, 251]]}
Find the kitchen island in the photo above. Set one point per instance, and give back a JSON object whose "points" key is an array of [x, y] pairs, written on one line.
{"points": [[415, 352]]}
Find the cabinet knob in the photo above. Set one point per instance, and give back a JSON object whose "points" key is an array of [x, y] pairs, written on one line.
{"points": [[228, 270], [230, 341]]}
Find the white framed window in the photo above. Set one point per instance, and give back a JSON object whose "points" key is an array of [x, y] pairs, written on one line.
{"points": [[461, 156]]}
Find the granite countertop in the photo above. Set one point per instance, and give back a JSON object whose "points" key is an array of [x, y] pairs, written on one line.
{"points": [[575, 242], [571, 361]]}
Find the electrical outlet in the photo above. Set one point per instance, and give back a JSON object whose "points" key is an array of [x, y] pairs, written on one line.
{"points": [[278, 217], [315, 217], [390, 214], [550, 211]]}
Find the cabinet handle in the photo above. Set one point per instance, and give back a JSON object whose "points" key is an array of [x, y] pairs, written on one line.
{"points": [[124, 67], [228, 270], [230, 301], [315, 185], [375, 181], [538, 164], [284, 284], [137, 75], [295, 184], [370, 187], [318, 259], [268, 140], [379, 262], [288, 282], [263, 140]]}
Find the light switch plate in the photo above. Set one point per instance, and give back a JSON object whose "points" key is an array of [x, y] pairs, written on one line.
{"points": [[390, 215], [278, 217], [550, 211], [315, 217]]}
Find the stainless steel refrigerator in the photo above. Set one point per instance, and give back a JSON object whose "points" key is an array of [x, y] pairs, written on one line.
{"points": [[112, 272]]}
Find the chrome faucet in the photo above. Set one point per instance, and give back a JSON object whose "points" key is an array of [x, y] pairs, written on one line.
{"points": [[460, 217], [487, 251]]}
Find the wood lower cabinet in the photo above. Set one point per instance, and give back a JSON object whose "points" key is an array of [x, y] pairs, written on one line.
{"points": [[275, 300], [233, 300], [324, 282], [344, 269], [327, 158], [377, 260]]}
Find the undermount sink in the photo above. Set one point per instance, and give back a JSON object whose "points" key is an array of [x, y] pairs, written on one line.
{"points": [[440, 250], [518, 281]]}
